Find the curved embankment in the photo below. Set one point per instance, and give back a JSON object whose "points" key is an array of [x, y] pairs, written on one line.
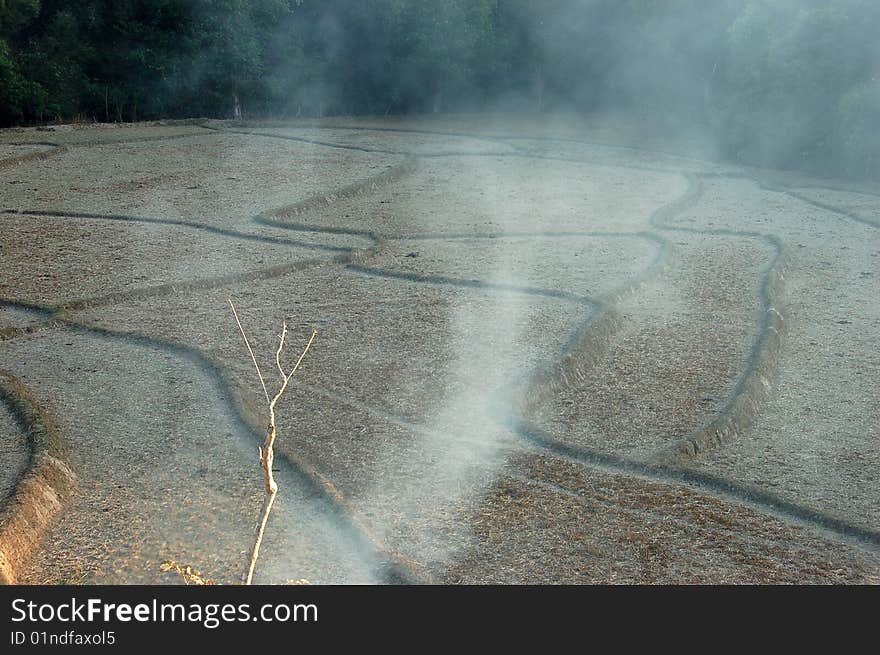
{"points": [[392, 174], [398, 567], [43, 488], [83, 137], [815, 439], [507, 139], [753, 383], [395, 568], [613, 528], [309, 483], [357, 128], [191, 225], [15, 452], [593, 337]]}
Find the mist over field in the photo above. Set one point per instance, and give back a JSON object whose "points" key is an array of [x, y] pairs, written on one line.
{"points": [[777, 83], [594, 284]]}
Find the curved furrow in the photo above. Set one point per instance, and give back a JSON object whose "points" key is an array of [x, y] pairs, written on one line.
{"points": [[48, 313], [57, 148], [601, 144], [721, 487], [823, 205], [275, 218], [592, 338], [505, 138], [611, 528], [191, 225], [124, 140], [662, 473], [439, 280], [26, 307], [490, 138], [367, 149], [392, 130], [517, 151], [541, 234], [10, 333], [636, 513], [144, 139], [42, 317], [706, 483], [199, 284], [314, 142], [753, 382]]}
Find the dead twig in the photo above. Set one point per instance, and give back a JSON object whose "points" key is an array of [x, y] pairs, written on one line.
{"points": [[267, 452], [189, 574]]}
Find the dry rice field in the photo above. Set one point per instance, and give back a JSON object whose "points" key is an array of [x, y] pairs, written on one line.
{"points": [[544, 355]]}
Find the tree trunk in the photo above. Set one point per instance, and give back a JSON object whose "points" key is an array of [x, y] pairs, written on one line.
{"points": [[539, 84], [236, 105], [438, 97]]}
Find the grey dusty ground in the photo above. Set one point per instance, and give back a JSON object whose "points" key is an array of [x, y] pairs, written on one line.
{"points": [[521, 328]]}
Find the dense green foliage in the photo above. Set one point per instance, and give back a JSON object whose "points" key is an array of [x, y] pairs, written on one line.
{"points": [[801, 86], [792, 83]]}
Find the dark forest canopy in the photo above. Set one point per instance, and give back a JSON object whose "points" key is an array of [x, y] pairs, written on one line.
{"points": [[793, 83]]}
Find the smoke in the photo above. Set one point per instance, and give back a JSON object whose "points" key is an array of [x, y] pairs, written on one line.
{"points": [[499, 329]]}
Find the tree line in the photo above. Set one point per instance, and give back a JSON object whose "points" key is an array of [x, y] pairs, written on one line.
{"points": [[792, 83]]}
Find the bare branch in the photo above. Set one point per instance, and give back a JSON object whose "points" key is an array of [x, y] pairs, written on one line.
{"points": [[250, 350], [280, 348], [302, 356], [267, 451], [267, 508], [290, 375]]}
